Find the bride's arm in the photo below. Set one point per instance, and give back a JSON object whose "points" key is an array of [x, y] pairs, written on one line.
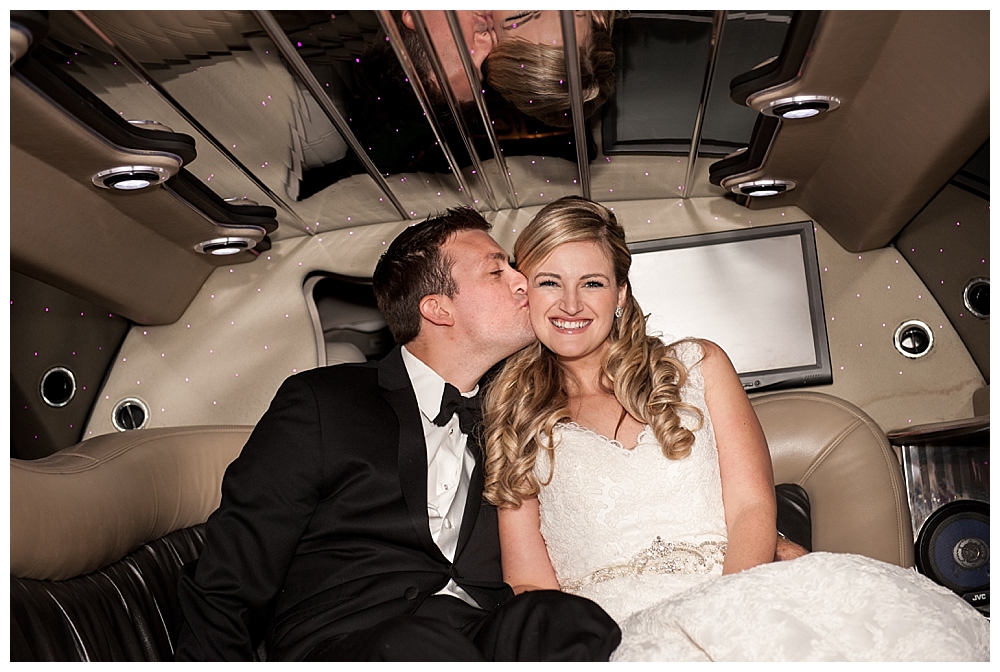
{"points": [[525, 561], [744, 463]]}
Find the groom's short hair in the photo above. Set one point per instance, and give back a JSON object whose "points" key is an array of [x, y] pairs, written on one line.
{"points": [[413, 267]]}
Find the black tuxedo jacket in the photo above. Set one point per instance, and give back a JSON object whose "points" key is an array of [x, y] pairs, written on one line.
{"points": [[323, 524]]}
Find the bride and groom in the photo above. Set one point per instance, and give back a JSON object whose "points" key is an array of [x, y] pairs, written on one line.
{"points": [[363, 522]]}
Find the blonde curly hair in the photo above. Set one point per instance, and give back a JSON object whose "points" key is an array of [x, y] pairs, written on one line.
{"points": [[527, 399]]}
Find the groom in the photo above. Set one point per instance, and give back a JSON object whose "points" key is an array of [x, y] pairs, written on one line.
{"points": [[352, 525]]}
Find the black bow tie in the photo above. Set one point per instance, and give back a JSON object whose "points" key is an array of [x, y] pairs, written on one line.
{"points": [[452, 402]]}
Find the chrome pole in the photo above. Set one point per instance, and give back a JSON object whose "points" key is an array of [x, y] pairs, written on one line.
{"points": [[308, 79], [718, 23], [449, 96], [477, 96], [396, 40], [574, 80], [140, 72]]}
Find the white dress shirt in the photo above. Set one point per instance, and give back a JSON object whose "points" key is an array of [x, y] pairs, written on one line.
{"points": [[449, 464]]}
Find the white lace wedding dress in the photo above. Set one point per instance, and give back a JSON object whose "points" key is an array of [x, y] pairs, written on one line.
{"points": [[644, 537]]}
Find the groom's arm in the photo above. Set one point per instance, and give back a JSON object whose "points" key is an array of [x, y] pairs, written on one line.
{"points": [[788, 550], [269, 494]]}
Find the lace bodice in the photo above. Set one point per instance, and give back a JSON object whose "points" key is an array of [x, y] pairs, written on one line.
{"points": [[606, 505]]}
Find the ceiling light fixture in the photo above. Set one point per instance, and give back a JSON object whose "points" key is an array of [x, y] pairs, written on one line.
{"points": [[225, 246], [760, 188], [800, 107], [130, 178]]}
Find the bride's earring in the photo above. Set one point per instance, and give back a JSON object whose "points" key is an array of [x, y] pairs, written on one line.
{"points": [[618, 312]]}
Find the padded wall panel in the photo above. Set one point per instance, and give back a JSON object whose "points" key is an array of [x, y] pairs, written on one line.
{"points": [[865, 297], [52, 328], [948, 244]]}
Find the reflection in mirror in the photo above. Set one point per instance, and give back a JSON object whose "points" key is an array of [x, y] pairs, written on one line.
{"points": [[85, 48], [519, 55], [263, 133], [221, 69], [660, 67], [516, 72], [661, 56]]}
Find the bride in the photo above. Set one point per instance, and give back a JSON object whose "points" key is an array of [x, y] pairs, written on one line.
{"points": [[636, 474]]}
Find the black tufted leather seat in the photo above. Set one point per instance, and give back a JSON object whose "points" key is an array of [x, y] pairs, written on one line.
{"points": [[126, 611], [99, 534]]}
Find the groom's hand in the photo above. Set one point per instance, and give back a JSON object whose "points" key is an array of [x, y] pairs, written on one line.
{"points": [[788, 550]]}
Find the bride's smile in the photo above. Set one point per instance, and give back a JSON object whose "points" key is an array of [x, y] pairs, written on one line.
{"points": [[570, 327]]}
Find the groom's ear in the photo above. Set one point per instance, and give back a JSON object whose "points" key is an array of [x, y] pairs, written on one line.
{"points": [[436, 309]]}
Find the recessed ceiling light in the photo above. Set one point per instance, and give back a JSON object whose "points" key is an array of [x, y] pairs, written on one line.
{"points": [[800, 107], [761, 188], [130, 178], [225, 246], [131, 181]]}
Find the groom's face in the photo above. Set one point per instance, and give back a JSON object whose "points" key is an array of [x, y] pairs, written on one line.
{"points": [[491, 303]]}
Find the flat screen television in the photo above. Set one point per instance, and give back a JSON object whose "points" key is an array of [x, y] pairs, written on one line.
{"points": [[756, 292]]}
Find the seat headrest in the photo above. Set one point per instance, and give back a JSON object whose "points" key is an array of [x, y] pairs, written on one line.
{"points": [[91, 504], [843, 459], [338, 352]]}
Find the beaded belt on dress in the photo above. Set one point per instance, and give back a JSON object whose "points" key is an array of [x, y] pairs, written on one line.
{"points": [[662, 557]]}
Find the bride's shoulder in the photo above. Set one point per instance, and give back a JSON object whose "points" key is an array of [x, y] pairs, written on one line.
{"points": [[690, 351]]}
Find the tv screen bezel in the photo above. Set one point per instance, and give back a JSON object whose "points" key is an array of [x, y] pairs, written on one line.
{"points": [[819, 373]]}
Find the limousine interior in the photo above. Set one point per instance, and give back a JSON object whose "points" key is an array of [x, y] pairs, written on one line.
{"points": [[198, 200]]}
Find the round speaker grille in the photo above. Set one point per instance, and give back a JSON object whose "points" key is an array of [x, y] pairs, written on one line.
{"points": [[953, 547], [58, 386]]}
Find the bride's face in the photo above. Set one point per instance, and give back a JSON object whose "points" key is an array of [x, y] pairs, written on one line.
{"points": [[572, 296]]}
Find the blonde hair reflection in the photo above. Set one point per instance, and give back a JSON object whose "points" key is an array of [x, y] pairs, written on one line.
{"points": [[527, 399], [532, 77]]}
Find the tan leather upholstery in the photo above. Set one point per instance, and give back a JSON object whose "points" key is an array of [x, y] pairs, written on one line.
{"points": [[91, 504], [844, 461], [343, 353], [86, 506]]}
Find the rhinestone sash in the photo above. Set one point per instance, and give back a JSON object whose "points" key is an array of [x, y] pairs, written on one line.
{"points": [[662, 557]]}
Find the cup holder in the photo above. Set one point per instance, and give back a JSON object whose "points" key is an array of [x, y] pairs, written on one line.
{"points": [[977, 297], [913, 339]]}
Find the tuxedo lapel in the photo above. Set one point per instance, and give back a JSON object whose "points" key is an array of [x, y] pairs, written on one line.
{"points": [[398, 392]]}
